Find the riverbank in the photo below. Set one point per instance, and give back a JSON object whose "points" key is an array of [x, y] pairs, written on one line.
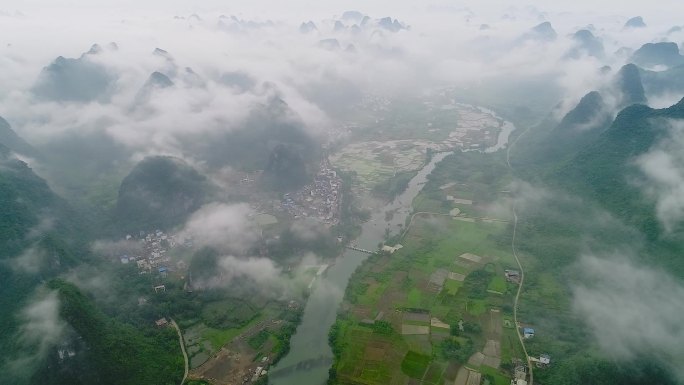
{"points": [[311, 356]]}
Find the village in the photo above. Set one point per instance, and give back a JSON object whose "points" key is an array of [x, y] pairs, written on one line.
{"points": [[319, 200], [153, 257]]}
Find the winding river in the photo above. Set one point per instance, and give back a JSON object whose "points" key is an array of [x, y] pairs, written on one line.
{"points": [[310, 356]]}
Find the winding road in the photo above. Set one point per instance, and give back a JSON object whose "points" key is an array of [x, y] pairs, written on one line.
{"points": [[517, 260], [182, 345]]}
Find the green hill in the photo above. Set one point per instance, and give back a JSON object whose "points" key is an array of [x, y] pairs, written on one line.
{"points": [[111, 352], [160, 193], [552, 142], [41, 236], [270, 132], [604, 171]]}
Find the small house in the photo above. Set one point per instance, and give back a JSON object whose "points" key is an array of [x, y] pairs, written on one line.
{"points": [[528, 332], [545, 359], [162, 322]]}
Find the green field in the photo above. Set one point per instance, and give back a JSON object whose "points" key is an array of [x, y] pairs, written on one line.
{"points": [[497, 284], [415, 364]]}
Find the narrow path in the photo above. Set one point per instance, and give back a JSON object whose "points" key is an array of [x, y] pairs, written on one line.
{"points": [[182, 345], [517, 260], [517, 296]]}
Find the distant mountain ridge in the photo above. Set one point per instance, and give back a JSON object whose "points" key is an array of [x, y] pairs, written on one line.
{"points": [[74, 80], [654, 54], [604, 170]]}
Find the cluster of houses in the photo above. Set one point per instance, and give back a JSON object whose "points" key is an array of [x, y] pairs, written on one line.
{"points": [[259, 371], [319, 200], [154, 258]]}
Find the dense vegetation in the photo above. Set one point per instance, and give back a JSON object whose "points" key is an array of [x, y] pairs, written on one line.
{"points": [[118, 353], [160, 193], [269, 130], [556, 228], [40, 237]]}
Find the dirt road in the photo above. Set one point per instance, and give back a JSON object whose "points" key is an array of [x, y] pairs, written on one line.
{"points": [[182, 345]]}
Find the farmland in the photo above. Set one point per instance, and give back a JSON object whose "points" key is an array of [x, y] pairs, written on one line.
{"points": [[442, 299]]}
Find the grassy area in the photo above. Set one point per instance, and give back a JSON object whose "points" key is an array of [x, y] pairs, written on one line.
{"points": [[497, 284], [499, 378], [415, 298], [415, 364], [477, 307], [452, 286], [220, 337], [256, 341]]}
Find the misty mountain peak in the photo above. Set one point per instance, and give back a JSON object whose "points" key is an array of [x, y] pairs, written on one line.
{"points": [[544, 31], [162, 53], [68, 79], [353, 16], [653, 54], [635, 22], [586, 44], [307, 27], [159, 80], [156, 81], [330, 44], [629, 84], [339, 26], [390, 24], [94, 49], [589, 111]]}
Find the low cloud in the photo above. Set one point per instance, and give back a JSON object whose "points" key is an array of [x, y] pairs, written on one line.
{"points": [[30, 261], [307, 230], [663, 167], [41, 329], [46, 224], [222, 227], [634, 311], [247, 276], [261, 270], [118, 248]]}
